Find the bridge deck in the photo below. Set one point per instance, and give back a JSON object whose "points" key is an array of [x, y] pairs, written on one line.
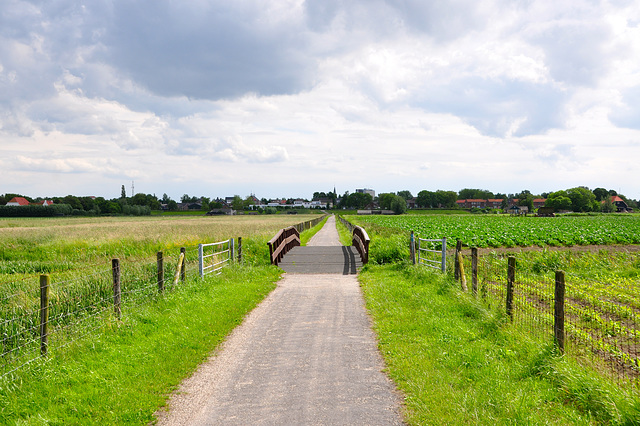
{"points": [[322, 260]]}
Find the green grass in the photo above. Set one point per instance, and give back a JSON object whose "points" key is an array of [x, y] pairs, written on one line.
{"points": [[459, 363], [129, 368], [305, 236]]}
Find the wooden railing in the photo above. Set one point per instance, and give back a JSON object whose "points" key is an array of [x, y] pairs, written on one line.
{"points": [[361, 241], [285, 240]]}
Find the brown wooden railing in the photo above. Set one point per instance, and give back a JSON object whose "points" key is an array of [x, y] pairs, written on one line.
{"points": [[361, 241], [285, 240]]}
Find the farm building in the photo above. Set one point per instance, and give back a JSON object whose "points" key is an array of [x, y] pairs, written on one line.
{"points": [[18, 201], [621, 205]]}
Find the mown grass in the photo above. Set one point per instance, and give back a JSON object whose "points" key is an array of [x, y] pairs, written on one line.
{"points": [[124, 372], [460, 363]]}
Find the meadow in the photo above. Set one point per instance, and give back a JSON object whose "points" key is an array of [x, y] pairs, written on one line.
{"points": [[77, 253]]}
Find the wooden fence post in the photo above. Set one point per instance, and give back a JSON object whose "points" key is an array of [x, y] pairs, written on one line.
{"points": [[160, 272], [183, 273], [511, 279], [115, 267], [413, 248], [474, 270], [45, 280], [456, 260], [463, 277], [558, 312], [239, 249]]}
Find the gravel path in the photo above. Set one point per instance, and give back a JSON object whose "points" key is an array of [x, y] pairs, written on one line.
{"points": [[305, 356]]}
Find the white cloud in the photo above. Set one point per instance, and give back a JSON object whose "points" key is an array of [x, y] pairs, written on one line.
{"points": [[380, 94]]}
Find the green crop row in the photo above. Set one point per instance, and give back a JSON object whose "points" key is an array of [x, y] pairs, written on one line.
{"points": [[510, 231]]}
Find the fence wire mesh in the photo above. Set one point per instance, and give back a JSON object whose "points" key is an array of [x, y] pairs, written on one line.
{"points": [[601, 316]]}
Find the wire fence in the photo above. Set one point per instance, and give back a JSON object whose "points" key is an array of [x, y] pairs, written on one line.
{"points": [[600, 315], [47, 313]]}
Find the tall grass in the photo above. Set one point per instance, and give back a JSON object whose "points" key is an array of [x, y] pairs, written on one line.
{"points": [[458, 362]]}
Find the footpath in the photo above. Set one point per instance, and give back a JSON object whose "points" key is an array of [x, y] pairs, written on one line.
{"points": [[305, 356]]}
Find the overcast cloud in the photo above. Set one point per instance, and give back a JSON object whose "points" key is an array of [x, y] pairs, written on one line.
{"points": [[285, 98]]}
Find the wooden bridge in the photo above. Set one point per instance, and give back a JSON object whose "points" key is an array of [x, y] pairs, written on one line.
{"points": [[287, 253]]}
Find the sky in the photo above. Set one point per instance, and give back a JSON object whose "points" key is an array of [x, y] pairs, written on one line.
{"points": [[283, 98]]}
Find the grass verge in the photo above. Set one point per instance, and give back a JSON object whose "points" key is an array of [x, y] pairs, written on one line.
{"points": [[458, 363], [124, 373], [306, 235]]}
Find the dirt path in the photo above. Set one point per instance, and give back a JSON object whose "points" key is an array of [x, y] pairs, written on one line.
{"points": [[305, 356]]}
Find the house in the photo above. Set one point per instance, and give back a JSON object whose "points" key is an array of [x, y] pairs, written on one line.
{"points": [[44, 203], [621, 205], [539, 202], [18, 201], [518, 210]]}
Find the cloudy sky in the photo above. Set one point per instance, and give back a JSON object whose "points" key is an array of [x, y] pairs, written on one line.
{"points": [[283, 98]]}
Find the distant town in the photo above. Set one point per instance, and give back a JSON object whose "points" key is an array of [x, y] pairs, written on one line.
{"points": [[579, 199]]}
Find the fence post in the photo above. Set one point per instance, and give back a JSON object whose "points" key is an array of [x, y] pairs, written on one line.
{"points": [[231, 250], [413, 248], [239, 249], [474, 270], [456, 260], [463, 277], [178, 268], [45, 280], [115, 267], [160, 272], [558, 312], [511, 278], [201, 260], [444, 255], [183, 271]]}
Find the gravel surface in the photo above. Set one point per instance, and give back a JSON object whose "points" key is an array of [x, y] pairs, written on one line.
{"points": [[305, 356]]}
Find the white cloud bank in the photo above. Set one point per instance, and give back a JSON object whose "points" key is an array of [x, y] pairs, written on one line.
{"points": [[284, 98]]}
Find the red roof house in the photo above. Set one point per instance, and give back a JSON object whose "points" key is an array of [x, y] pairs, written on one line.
{"points": [[18, 201]]}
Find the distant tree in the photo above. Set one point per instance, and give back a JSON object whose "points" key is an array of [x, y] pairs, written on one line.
{"points": [[600, 194], [446, 199], [205, 204], [165, 198], [172, 205], [525, 198], [237, 203], [73, 201], [406, 195], [608, 206], [123, 193], [427, 199], [358, 200], [385, 199], [559, 201], [582, 199], [474, 194], [398, 204]]}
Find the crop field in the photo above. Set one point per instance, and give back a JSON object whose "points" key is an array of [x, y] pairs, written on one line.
{"points": [[509, 231], [602, 306], [77, 254]]}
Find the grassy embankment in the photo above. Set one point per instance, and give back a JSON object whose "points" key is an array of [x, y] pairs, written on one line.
{"points": [[125, 370], [458, 362]]}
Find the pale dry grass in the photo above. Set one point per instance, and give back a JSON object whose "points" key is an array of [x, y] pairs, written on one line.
{"points": [[177, 229]]}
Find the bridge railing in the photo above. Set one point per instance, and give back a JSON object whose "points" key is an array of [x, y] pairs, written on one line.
{"points": [[360, 241], [284, 240]]}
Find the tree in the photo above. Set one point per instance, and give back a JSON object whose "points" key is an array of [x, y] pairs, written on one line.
{"points": [[237, 203], [406, 195], [558, 201], [398, 204], [608, 206], [123, 193], [427, 199], [358, 200], [582, 199], [165, 198], [600, 194], [474, 194], [446, 199], [385, 199]]}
